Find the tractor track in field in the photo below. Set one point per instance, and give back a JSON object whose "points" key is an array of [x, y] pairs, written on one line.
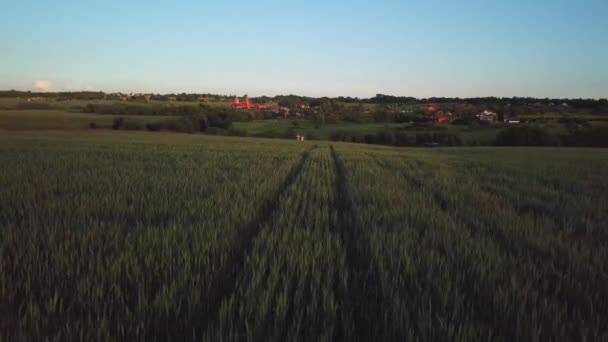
{"points": [[514, 248], [228, 280], [363, 297]]}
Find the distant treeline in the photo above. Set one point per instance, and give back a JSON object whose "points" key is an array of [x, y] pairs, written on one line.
{"points": [[131, 109], [500, 101], [294, 100], [520, 135], [216, 123], [98, 95], [183, 110]]}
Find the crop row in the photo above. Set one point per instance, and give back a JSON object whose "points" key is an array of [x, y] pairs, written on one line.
{"points": [[458, 262], [134, 237], [129, 241], [296, 278]]}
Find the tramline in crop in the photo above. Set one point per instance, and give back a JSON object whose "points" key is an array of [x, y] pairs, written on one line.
{"points": [[135, 236]]}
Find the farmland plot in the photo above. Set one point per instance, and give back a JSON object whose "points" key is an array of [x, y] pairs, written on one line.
{"points": [[460, 255], [295, 278], [127, 241], [154, 237]]}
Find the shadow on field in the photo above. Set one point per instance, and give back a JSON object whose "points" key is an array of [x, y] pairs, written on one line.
{"points": [[227, 282], [364, 297]]}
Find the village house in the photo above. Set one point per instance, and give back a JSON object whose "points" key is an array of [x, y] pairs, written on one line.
{"points": [[282, 111], [441, 117], [438, 116], [487, 117]]}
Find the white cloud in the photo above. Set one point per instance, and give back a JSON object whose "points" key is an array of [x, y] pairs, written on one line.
{"points": [[43, 85]]}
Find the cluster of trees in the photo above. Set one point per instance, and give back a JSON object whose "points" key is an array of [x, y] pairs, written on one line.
{"points": [[488, 101], [386, 99], [581, 135], [131, 109], [590, 137], [216, 123], [531, 135], [399, 138], [526, 135], [191, 97], [168, 110], [291, 101]]}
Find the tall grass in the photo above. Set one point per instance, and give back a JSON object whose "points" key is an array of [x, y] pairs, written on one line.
{"points": [[132, 236], [459, 262], [296, 277], [126, 241]]}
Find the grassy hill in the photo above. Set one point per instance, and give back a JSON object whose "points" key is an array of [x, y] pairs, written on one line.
{"points": [[17, 120]]}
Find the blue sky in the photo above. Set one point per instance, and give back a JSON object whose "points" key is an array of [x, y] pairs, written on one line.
{"points": [[461, 48]]}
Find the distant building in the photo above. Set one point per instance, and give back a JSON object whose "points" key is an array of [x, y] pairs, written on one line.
{"points": [[438, 116], [487, 117], [441, 117], [282, 111]]}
